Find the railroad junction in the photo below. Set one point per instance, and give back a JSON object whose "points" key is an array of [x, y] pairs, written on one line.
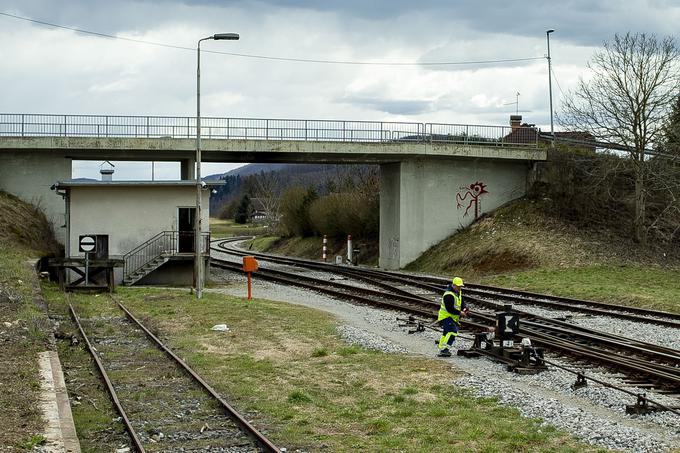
{"points": [[571, 363], [595, 381], [594, 397]]}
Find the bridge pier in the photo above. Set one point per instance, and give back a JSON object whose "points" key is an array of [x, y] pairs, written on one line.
{"points": [[423, 201], [187, 169], [29, 176]]}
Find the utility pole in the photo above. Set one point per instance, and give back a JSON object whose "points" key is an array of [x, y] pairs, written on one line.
{"points": [[199, 267], [552, 129]]}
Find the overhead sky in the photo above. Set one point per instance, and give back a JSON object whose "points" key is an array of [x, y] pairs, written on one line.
{"points": [[45, 69]]}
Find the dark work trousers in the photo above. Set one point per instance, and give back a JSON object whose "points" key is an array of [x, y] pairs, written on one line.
{"points": [[449, 333]]}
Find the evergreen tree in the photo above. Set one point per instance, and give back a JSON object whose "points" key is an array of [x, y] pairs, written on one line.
{"points": [[671, 140], [243, 210]]}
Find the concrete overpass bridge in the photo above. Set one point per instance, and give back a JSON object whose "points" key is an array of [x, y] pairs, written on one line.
{"points": [[435, 178]]}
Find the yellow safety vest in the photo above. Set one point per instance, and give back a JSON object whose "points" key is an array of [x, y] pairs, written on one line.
{"points": [[443, 314]]}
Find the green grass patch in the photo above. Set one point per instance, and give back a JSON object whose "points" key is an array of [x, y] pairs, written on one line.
{"points": [[320, 352], [24, 326], [221, 228], [298, 397], [263, 243], [346, 399], [651, 287], [31, 442]]}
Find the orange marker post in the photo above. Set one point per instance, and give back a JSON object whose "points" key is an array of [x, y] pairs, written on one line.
{"points": [[249, 265]]}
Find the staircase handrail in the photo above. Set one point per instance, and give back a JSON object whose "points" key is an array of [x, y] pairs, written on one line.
{"points": [[163, 243], [148, 251]]}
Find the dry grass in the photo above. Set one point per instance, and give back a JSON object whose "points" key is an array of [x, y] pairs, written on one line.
{"points": [[286, 367], [520, 237], [26, 225], [220, 228], [25, 234]]}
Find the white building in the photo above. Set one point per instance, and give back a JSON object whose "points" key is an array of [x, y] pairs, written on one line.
{"points": [[149, 224]]}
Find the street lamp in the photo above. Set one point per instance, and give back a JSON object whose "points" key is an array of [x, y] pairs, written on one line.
{"points": [[199, 268], [552, 130]]}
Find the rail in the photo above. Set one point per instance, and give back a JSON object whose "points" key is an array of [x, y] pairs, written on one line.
{"points": [[165, 243], [103, 126]]}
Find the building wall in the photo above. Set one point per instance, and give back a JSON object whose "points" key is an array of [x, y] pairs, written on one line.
{"points": [[130, 215], [424, 201], [29, 176]]}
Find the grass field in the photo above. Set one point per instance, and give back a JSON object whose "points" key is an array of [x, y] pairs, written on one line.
{"points": [[220, 228], [634, 285], [519, 247], [24, 325], [287, 368]]}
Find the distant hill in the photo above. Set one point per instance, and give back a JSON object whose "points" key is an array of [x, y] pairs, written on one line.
{"points": [[323, 177], [255, 169]]}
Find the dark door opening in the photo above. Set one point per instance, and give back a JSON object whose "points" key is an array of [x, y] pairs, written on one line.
{"points": [[185, 226]]}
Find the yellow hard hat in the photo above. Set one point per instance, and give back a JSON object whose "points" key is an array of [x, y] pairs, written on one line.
{"points": [[457, 281]]}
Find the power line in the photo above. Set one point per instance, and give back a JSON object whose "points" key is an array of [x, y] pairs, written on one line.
{"points": [[558, 83], [269, 57]]}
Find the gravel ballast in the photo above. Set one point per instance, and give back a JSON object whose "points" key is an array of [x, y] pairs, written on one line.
{"points": [[593, 414]]}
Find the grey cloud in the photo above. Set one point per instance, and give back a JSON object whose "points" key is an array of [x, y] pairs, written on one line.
{"points": [[391, 106], [579, 22]]}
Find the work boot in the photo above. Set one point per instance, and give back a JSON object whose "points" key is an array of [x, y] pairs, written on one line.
{"points": [[444, 353]]}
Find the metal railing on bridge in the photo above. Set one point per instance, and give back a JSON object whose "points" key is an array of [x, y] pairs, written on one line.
{"points": [[46, 125]]}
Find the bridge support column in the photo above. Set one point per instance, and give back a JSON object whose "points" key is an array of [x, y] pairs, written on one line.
{"points": [[187, 169], [424, 201], [30, 175]]}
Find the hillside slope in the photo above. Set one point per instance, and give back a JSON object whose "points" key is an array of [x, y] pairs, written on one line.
{"points": [[25, 235], [520, 246]]}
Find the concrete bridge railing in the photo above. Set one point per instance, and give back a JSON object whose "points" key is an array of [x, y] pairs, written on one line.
{"points": [[49, 125]]}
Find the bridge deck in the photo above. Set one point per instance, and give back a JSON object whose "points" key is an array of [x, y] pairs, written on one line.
{"points": [[261, 140]]}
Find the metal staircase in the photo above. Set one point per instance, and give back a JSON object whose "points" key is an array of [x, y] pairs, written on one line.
{"points": [[155, 252]]}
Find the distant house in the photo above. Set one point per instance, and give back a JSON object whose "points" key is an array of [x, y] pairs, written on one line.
{"points": [[259, 211], [524, 133]]}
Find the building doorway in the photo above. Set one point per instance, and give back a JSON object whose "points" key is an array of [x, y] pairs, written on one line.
{"points": [[185, 226]]}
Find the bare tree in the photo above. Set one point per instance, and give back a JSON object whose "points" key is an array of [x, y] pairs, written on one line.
{"points": [[626, 101], [268, 192]]}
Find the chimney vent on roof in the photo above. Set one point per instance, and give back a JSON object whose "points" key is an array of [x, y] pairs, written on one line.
{"points": [[515, 122], [106, 170]]}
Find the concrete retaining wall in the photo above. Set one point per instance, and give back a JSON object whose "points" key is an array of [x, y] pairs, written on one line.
{"points": [[29, 176], [424, 202]]}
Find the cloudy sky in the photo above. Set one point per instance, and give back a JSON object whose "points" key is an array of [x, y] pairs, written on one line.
{"points": [[46, 69]]}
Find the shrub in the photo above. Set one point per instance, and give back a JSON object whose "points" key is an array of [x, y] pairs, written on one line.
{"points": [[295, 204], [339, 214]]}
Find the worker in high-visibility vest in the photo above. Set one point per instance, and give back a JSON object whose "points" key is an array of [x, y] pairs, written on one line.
{"points": [[452, 307]]}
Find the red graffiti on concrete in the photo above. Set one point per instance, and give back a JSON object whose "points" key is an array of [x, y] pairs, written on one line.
{"points": [[473, 191]]}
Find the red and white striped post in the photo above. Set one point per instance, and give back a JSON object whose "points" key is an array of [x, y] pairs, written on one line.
{"points": [[349, 249], [323, 255]]}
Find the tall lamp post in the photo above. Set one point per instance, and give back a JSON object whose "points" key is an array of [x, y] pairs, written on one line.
{"points": [[552, 130], [199, 268]]}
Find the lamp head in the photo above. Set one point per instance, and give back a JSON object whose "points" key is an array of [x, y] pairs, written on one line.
{"points": [[549, 31], [229, 36]]}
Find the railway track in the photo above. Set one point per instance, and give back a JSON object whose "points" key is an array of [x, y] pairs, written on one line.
{"points": [[435, 285], [164, 404], [649, 365]]}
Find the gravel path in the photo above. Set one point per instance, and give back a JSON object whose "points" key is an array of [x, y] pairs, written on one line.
{"points": [[593, 414]]}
